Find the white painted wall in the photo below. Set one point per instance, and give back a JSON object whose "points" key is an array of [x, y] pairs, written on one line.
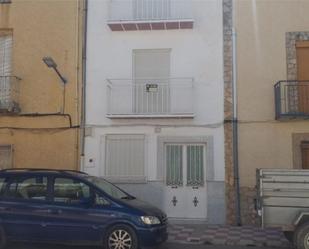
{"points": [[195, 53]]}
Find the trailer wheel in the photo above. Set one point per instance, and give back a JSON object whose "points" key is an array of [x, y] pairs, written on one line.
{"points": [[289, 235], [301, 236]]}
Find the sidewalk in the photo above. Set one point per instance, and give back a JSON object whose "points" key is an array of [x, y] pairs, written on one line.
{"points": [[227, 235]]}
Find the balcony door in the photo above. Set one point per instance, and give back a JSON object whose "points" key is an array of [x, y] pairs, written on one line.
{"points": [[151, 9], [302, 49], [151, 74]]}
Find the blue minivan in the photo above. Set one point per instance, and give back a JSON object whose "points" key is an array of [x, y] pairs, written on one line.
{"points": [[71, 207]]}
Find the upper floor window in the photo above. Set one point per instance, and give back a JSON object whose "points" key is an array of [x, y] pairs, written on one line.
{"points": [[5, 1], [6, 156], [150, 15]]}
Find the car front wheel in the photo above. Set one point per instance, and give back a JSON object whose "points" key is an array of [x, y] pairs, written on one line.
{"points": [[121, 237]]}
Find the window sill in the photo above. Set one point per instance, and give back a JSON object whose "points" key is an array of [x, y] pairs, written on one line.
{"points": [[126, 179]]}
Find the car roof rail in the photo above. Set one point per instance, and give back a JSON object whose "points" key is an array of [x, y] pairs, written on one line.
{"points": [[44, 169]]}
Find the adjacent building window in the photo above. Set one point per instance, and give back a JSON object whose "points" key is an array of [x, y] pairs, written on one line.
{"points": [[125, 157], [5, 1], [305, 154], [185, 163], [6, 156], [6, 42]]}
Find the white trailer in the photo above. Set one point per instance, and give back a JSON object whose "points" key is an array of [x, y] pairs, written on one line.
{"points": [[283, 202]]}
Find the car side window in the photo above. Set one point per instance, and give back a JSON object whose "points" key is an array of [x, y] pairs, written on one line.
{"points": [[70, 191], [100, 200], [31, 188], [2, 185]]}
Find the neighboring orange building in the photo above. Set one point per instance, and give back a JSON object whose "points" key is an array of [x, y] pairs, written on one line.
{"points": [[39, 115], [272, 78]]}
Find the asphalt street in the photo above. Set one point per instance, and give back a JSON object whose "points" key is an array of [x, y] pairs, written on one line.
{"points": [[165, 246]]}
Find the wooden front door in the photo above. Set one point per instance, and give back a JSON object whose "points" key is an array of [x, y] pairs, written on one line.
{"points": [[305, 154], [302, 51]]}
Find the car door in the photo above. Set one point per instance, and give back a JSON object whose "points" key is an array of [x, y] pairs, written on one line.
{"points": [[72, 216], [23, 204]]}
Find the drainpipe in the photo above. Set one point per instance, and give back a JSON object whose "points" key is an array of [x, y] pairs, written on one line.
{"points": [[235, 130], [84, 74]]}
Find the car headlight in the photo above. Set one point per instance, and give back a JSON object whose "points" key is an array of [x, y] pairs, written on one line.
{"points": [[150, 220]]}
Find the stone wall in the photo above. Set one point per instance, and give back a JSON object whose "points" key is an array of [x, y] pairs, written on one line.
{"points": [[228, 110], [247, 206]]}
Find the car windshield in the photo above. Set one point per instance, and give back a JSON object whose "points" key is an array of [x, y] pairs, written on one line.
{"points": [[109, 188]]}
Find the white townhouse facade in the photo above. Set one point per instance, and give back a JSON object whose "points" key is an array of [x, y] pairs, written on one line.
{"points": [[154, 103]]}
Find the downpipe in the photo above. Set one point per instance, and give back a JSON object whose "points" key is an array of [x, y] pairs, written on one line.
{"points": [[84, 78], [235, 131]]}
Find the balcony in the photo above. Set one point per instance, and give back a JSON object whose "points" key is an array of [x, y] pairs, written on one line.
{"points": [[292, 100], [9, 94], [150, 98], [130, 15]]}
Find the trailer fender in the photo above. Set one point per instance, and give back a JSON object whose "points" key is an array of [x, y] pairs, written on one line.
{"points": [[301, 219]]}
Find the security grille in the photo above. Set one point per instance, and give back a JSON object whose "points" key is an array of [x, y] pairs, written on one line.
{"points": [[174, 162], [185, 165], [151, 9]]}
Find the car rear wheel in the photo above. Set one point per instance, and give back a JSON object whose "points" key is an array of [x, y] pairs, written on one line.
{"points": [[121, 237]]}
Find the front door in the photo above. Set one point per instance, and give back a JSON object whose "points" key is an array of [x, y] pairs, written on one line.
{"points": [[185, 181], [302, 50]]}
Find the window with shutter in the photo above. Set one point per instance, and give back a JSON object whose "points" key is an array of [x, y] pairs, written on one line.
{"points": [[5, 68], [6, 155], [125, 157], [5, 1]]}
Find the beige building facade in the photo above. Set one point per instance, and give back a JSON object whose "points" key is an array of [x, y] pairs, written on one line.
{"points": [[272, 78], [39, 114]]}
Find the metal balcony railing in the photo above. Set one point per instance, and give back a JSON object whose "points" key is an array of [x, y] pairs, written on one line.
{"points": [[9, 94], [292, 99], [150, 14], [146, 98]]}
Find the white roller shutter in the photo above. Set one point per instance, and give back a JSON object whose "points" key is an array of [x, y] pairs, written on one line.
{"points": [[6, 44], [125, 157]]}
